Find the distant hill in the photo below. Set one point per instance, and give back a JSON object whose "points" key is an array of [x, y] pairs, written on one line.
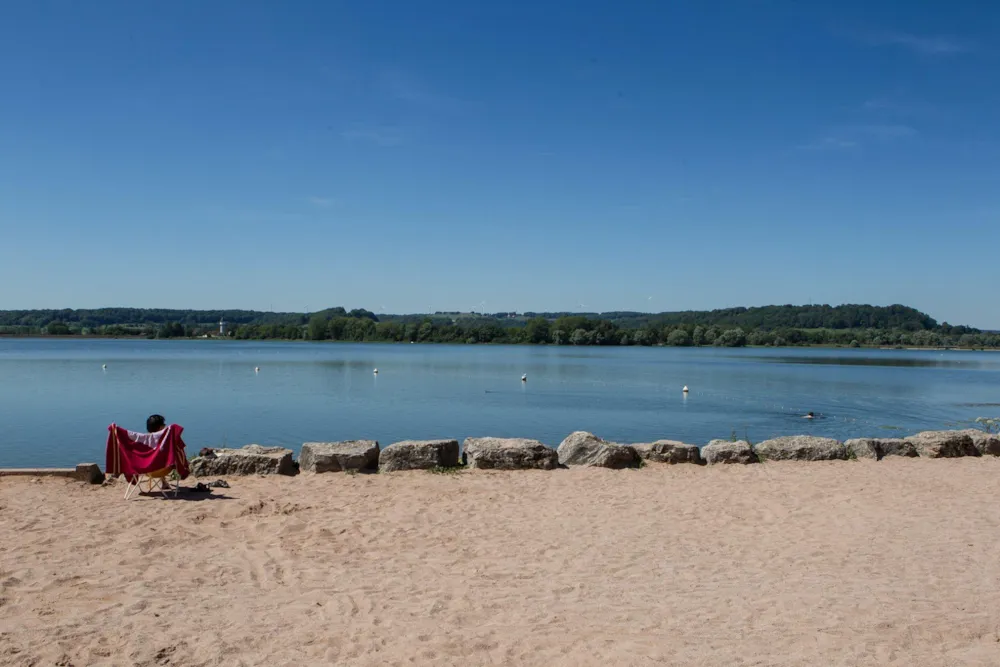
{"points": [[138, 316], [767, 318], [764, 318]]}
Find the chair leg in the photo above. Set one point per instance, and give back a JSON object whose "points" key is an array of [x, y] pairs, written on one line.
{"points": [[130, 488]]}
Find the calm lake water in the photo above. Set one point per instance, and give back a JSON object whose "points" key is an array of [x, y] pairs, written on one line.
{"points": [[56, 400]]}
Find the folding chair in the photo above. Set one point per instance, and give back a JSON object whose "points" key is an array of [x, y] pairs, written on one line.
{"points": [[151, 482], [147, 460]]}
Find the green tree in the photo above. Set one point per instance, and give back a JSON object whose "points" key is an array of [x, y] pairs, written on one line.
{"points": [[57, 328], [537, 331], [679, 338], [698, 337], [335, 328], [731, 338], [760, 337], [170, 330], [426, 332], [317, 327]]}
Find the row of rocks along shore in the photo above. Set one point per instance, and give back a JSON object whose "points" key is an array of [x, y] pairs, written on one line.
{"points": [[578, 449]]}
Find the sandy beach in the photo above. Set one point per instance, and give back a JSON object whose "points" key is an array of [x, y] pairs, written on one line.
{"points": [[827, 563]]}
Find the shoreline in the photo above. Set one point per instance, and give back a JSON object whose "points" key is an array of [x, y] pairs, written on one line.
{"points": [[457, 343]]}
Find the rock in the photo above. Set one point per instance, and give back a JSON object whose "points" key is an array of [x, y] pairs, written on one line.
{"points": [[801, 448], [987, 444], [89, 472], [943, 444], [339, 456], [249, 460], [586, 449], [508, 454], [418, 455], [726, 451], [863, 448], [879, 448], [897, 447], [668, 451]]}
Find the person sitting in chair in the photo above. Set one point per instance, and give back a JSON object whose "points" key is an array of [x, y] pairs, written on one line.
{"points": [[153, 424]]}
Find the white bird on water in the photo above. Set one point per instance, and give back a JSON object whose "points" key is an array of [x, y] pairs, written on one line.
{"points": [[104, 366], [376, 371], [256, 369], [685, 390], [524, 378]]}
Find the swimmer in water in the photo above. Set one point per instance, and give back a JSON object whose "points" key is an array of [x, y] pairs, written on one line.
{"points": [[810, 416]]}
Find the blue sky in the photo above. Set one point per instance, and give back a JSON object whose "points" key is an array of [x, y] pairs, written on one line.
{"points": [[532, 156]]}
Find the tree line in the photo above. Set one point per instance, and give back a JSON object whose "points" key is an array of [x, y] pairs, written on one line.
{"points": [[584, 330], [848, 325]]}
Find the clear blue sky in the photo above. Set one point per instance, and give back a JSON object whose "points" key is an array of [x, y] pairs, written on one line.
{"points": [[532, 155]]}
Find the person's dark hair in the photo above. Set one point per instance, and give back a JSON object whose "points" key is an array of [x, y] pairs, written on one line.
{"points": [[155, 423]]}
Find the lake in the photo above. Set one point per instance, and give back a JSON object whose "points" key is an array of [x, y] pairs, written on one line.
{"points": [[56, 400]]}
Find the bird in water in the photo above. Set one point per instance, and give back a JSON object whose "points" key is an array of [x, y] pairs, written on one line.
{"points": [[104, 367], [256, 369], [376, 371], [524, 378], [685, 389]]}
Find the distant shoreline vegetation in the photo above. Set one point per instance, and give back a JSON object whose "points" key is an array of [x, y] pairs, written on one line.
{"points": [[846, 325]]}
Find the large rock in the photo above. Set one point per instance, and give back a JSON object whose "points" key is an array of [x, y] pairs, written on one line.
{"points": [[801, 448], [668, 451], [249, 460], [418, 455], [586, 449], [508, 454], [339, 456], [728, 451], [897, 447], [943, 444], [863, 448], [879, 448], [89, 472], [987, 444]]}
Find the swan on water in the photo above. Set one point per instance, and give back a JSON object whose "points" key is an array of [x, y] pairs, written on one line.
{"points": [[685, 390], [376, 371], [104, 366], [524, 378], [256, 369]]}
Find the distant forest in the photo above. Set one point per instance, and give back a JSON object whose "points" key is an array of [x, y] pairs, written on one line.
{"points": [[848, 325]]}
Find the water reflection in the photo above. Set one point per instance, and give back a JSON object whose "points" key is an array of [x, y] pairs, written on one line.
{"points": [[905, 362]]}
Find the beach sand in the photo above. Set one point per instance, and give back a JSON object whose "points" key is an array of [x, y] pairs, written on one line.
{"points": [[832, 563]]}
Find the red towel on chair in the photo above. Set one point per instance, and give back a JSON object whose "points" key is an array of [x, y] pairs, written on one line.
{"points": [[131, 454]]}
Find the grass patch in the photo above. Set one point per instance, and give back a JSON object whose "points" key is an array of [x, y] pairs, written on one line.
{"points": [[446, 470]]}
